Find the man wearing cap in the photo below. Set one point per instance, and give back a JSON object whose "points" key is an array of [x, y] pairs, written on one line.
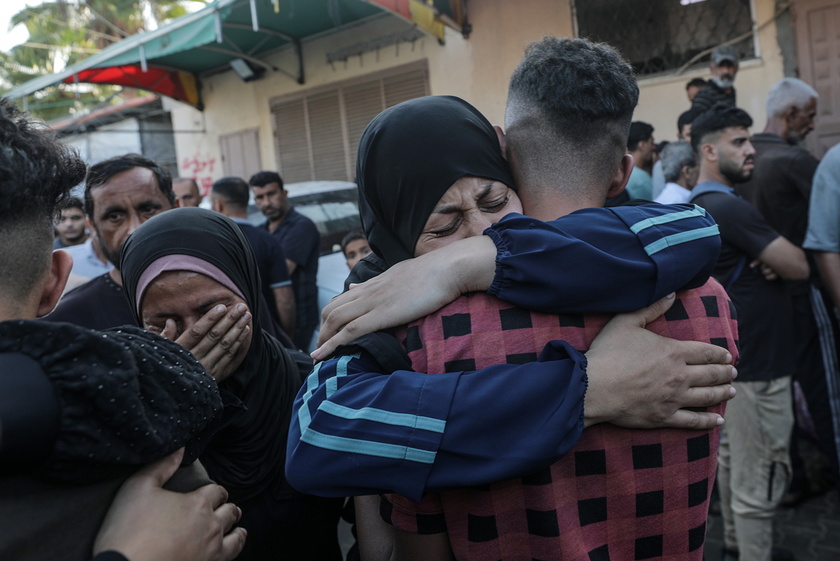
{"points": [[720, 88]]}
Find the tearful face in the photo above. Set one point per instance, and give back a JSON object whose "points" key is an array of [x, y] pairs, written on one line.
{"points": [[185, 297]]}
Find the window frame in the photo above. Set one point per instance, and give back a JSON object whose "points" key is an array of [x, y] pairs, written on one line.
{"points": [[700, 64]]}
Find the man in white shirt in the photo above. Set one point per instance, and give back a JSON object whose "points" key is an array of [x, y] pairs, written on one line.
{"points": [[679, 165]]}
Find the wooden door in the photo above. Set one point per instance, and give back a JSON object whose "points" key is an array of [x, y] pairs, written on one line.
{"points": [[241, 153], [818, 49]]}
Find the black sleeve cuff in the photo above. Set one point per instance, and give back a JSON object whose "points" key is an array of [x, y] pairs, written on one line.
{"points": [[29, 413]]}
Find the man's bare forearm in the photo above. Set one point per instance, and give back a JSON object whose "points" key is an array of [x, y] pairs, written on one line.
{"points": [[284, 299]]}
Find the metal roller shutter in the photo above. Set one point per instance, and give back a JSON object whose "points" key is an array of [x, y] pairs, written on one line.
{"points": [[317, 133]]}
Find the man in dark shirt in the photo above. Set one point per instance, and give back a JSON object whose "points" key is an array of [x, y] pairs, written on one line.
{"points": [[781, 184], [754, 468], [300, 239], [120, 194], [781, 189], [229, 196], [720, 87]]}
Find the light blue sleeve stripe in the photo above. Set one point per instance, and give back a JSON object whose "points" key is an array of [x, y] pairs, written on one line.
{"points": [[384, 417], [312, 380], [304, 418], [682, 237], [331, 384], [312, 383], [368, 448], [666, 218]]}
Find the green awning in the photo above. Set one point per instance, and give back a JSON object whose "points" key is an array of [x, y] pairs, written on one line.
{"points": [[171, 59]]}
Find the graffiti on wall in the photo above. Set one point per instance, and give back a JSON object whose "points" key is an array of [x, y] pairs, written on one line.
{"points": [[200, 167]]}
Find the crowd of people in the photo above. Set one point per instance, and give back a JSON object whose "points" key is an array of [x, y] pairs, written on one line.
{"points": [[777, 264], [532, 360]]}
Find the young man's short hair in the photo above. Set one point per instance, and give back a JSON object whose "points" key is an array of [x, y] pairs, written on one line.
{"points": [[570, 103], [351, 236], [720, 117], [37, 172], [639, 132], [696, 83], [67, 204], [263, 178], [575, 81], [687, 118], [233, 190]]}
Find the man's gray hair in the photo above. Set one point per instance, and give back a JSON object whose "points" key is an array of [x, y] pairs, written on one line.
{"points": [[674, 156], [787, 93]]}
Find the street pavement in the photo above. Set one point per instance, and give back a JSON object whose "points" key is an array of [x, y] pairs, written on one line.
{"points": [[811, 530]]}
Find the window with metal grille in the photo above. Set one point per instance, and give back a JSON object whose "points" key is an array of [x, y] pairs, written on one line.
{"points": [[658, 36], [317, 133]]}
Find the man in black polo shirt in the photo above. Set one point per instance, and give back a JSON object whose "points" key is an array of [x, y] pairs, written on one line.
{"points": [[229, 196], [300, 240], [754, 464]]}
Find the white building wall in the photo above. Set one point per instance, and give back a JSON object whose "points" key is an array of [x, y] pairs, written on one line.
{"points": [[476, 68], [197, 149]]}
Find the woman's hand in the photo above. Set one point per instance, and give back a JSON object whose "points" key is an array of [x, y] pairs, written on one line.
{"points": [[215, 339], [147, 522], [410, 290], [638, 379]]}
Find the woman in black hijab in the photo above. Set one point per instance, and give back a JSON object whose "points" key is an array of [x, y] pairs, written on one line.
{"points": [[175, 268], [396, 200]]}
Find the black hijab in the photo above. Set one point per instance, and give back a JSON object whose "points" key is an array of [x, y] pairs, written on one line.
{"points": [[247, 455], [409, 156]]}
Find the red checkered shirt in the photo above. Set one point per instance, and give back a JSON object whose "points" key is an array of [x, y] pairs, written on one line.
{"points": [[619, 495]]}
